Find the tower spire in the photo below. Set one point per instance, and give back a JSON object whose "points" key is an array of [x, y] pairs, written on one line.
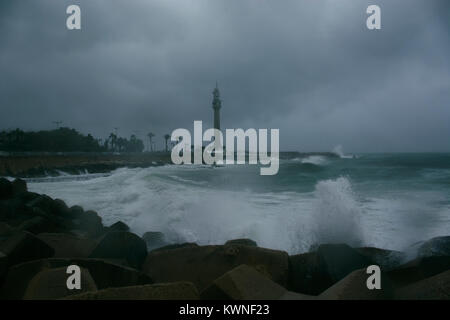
{"points": [[217, 105]]}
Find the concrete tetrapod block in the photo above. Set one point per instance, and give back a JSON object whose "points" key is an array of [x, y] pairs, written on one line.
{"points": [[433, 288], [246, 283], [159, 291], [52, 284], [201, 265], [354, 287]]}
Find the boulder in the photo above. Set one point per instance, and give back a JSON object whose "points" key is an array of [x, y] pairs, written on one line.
{"points": [[154, 240], [386, 259], [176, 246], [37, 225], [354, 287], [433, 288], [36, 214], [438, 246], [75, 211], [201, 265], [305, 274], [242, 242], [121, 245], [6, 211], [51, 207], [5, 231], [26, 197], [40, 213], [27, 206], [43, 202], [418, 269], [160, 291], [23, 246], [5, 228], [246, 283], [104, 273], [68, 246], [339, 260], [19, 186], [90, 223], [107, 274], [119, 226], [6, 190], [42, 221], [3, 267], [60, 207], [313, 272], [51, 284], [84, 223], [14, 211], [290, 295], [19, 276]]}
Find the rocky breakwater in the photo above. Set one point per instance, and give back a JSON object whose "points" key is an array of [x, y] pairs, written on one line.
{"points": [[40, 237], [42, 165]]}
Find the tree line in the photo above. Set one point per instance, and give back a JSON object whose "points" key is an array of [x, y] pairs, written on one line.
{"points": [[70, 140]]}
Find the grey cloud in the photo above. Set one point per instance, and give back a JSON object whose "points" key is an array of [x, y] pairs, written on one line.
{"points": [[310, 68]]}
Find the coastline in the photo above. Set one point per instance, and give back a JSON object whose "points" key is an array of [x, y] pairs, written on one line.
{"points": [[32, 165], [40, 237]]}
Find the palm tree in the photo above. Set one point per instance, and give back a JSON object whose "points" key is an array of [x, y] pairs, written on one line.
{"points": [[113, 139], [167, 137], [150, 136], [121, 144]]}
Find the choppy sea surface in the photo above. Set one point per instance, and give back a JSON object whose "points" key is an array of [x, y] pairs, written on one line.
{"points": [[384, 200]]}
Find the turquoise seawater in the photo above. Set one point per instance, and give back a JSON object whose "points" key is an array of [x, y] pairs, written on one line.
{"points": [[383, 200]]}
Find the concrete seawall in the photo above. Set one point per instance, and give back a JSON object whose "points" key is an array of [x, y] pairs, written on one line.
{"points": [[43, 164], [31, 165]]}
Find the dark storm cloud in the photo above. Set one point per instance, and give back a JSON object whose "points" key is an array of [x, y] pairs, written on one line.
{"points": [[310, 68]]}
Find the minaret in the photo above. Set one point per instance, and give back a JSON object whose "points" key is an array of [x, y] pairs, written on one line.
{"points": [[216, 104]]}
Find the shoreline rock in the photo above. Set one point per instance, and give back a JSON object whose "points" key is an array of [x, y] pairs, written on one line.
{"points": [[121, 245], [161, 291], [38, 288], [105, 274], [43, 165], [40, 237], [246, 283], [434, 288], [313, 272], [201, 265], [353, 287], [154, 240]]}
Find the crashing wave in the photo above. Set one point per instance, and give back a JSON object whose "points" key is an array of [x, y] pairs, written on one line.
{"points": [[316, 160], [339, 151], [336, 213]]}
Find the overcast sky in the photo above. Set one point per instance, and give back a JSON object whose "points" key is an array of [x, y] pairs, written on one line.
{"points": [[310, 68]]}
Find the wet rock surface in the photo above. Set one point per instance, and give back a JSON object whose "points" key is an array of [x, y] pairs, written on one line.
{"points": [[203, 264], [41, 237]]}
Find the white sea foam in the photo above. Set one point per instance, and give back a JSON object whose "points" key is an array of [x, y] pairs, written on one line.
{"points": [[147, 201], [152, 199], [339, 151], [336, 213], [316, 160], [63, 176]]}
